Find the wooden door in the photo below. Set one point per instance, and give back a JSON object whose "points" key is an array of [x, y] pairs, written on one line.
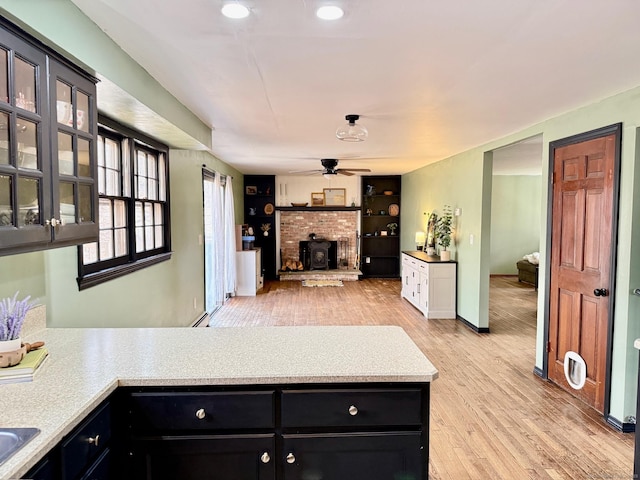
{"points": [[581, 252]]}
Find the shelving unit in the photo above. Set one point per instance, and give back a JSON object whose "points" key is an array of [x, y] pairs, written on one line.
{"points": [[380, 253], [259, 209]]}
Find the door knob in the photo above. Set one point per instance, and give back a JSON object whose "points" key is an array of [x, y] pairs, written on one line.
{"points": [[601, 292]]}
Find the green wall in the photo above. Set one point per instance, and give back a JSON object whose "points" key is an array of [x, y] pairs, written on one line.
{"points": [[515, 220], [465, 181]]}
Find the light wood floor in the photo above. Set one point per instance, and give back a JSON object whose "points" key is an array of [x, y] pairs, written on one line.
{"points": [[491, 417]]}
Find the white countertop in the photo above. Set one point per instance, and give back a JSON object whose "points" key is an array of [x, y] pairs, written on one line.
{"points": [[86, 365]]}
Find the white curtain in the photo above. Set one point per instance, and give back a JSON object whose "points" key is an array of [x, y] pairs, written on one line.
{"points": [[217, 257], [229, 240]]}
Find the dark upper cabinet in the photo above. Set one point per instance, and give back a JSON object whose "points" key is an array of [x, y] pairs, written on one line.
{"points": [[380, 244], [260, 213], [48, 123]]}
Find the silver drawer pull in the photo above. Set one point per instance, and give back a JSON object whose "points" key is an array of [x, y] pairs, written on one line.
{"points": [[200, 413], [291, 458], [353, 410], [265, 458], [94, 440]]}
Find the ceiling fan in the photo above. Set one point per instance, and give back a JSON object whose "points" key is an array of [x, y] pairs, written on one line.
{"points": [[329, 169]]}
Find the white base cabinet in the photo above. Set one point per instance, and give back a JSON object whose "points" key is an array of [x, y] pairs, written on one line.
{"points": [[429, 284], [249, 270]]}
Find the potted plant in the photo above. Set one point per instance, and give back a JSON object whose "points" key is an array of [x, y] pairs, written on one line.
{"points": [[392, 226], [12, 315], [443, 232]]}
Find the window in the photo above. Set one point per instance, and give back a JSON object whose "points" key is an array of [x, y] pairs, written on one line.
{"points": [[133, 206]]}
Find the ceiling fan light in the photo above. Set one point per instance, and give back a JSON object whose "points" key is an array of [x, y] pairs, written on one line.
{"points": [[329, 12], [235, 10], [352, 132], [329, 175]]}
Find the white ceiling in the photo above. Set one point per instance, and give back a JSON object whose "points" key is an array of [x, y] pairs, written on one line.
{"points": [[429, 78]]}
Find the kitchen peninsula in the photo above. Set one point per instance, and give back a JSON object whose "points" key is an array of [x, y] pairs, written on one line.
{"points": [[294, 399]]}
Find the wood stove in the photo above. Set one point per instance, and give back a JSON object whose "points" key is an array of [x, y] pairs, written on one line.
{"points": [[319, 254]]}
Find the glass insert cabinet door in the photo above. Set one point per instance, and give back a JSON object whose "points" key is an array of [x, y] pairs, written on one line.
{"points": [[25, 187], [48, 126], [74, 153]]}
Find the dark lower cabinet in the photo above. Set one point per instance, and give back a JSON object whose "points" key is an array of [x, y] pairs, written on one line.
{"points": [[205, 457], [348, 432], [371, 456], [290, 432]]}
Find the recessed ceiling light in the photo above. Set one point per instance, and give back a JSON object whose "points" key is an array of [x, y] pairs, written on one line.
{"points": [[329, 12], [235, 10]]}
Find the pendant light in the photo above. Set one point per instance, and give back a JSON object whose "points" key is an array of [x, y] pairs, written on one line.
{"points": [[352, 132]]}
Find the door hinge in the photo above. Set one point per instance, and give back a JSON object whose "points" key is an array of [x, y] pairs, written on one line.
{"points": [[548, 347]]}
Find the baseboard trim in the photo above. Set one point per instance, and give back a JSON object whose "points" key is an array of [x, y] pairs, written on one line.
{"points": [[472, 326], [204, 318], [620, 426]]}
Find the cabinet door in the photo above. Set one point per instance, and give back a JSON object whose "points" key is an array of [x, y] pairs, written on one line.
{"points": [[205, 457], [73, 141], [442, 291], [370, 456], [25, 194]]}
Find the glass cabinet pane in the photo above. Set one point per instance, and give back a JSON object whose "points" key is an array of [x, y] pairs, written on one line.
{"points": [[85, 202], [4, 84], [67, 203], [27, 137], [64, 105], [82, 112], [65, 154], [4, 139], [6, 208], [25, 85], [84, 160], [28, 201]]}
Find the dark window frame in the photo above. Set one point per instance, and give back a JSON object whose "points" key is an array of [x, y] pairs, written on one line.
{"points": [[102, 271]]}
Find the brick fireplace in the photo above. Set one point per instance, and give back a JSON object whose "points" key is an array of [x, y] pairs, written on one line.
{"points": [[296, 225]]}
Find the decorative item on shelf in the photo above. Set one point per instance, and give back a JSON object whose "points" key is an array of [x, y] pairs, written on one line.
{"points": [[368, 212], [371, 190], [388, 192], [265, 229], [335, 196], [383, 233], [394, 210], [252, 211], [419, 240], [443, 230], [392, 227], [301, 204], [430, 245], [382, 212], [251, 190], [317, 199], [12, 315], [268, 209]]}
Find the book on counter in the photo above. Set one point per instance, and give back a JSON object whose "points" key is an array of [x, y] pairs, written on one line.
{"points": [[24, 371]]}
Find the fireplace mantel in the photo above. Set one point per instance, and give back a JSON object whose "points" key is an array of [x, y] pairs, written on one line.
{"points": [[319, 209]]}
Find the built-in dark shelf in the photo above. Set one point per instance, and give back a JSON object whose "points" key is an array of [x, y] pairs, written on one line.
{"points": [[319, 209]]}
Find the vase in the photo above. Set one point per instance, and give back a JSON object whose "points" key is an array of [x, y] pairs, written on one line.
{"points": [[445, 255], [10, 345]]}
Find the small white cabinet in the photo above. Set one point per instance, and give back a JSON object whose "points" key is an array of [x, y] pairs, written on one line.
{"points": [[429, 284], [249, 269]]}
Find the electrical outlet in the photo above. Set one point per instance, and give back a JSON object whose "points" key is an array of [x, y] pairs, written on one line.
{"points": [[367, 260]]}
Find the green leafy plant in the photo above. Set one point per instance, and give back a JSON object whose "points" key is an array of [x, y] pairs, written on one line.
{"points": [[444, 227], [392, 226]]}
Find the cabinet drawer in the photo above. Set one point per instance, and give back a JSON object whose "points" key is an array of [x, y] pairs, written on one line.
{"points": [[344, 408], [409, 261], [202, 410], [86, 442], [423, 268]]}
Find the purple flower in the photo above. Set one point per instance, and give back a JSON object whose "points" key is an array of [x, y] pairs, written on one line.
{"points": [[12, 314]]}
